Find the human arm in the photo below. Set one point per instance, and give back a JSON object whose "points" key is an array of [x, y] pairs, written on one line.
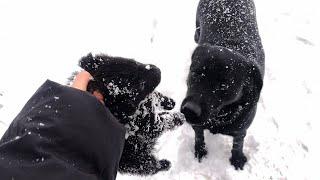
{"points": [[62, 133]]}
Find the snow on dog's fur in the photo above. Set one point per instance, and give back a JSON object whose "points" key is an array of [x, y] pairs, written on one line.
{"points": [[226, 74], [128, 89]]}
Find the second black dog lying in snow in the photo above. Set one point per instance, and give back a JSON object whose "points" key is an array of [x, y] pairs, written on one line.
{"points": [[128, 90], [226, 74]]}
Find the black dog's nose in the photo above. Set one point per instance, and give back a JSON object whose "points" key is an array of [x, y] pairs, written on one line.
{"points": [[192, 112]]}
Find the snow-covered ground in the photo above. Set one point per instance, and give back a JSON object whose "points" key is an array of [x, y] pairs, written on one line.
{"points": [[44, 39]]}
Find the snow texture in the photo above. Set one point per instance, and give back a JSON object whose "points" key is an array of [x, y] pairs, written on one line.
{"points": [[38, 43]]}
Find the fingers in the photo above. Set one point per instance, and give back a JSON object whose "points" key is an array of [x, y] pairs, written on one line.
{"points": [[99, 96], [81, 80]]}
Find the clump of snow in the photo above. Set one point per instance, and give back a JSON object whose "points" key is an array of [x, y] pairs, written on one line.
{"points": [[115, 90], [39, 159], [148, 67], [47, 106]]}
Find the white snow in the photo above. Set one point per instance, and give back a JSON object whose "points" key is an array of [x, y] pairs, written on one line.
{"points": [[42, 40], [47, 106], [148, 67], [17, 137]]}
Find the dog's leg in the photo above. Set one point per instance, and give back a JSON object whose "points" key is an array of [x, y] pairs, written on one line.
{"points": [[199, 146], [238, 159], [164, 165]]}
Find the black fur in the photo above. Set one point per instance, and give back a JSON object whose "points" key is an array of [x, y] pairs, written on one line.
{"points": [[226, 74], [143, 129], [128, 88], [123, 82]]}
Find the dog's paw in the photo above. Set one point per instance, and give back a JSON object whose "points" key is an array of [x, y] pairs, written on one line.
{"points": [[165, 102], [200, 153], [238, 160], [164, 165], [179, 118]]}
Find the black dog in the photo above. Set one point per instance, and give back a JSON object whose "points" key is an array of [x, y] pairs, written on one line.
{"points": [[128, 89], [226, 74]]}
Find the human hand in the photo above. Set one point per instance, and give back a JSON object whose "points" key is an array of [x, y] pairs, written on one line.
{"points": [[81, 81]]}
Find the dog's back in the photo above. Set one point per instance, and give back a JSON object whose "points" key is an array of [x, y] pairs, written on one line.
{"points": [[231, 24]]}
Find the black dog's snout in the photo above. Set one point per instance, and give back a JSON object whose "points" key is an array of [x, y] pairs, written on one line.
{"points": [[153, 76], [191, 108], [192, 112]]}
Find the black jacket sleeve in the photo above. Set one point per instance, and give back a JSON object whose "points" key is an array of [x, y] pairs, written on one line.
{"points": [[61, 134]]}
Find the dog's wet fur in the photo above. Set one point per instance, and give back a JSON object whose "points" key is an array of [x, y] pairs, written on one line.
{"points": [[226, 74], [129, 93]]}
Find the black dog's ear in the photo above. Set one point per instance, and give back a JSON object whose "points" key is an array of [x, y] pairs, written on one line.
{"points": [[257, 77], [85, 62], [200, 51], [254, 80], [200, 55], [90, 63]]}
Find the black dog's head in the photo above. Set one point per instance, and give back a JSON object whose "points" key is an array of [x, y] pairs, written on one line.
{"points": [[215, 81], [124, 83]]}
